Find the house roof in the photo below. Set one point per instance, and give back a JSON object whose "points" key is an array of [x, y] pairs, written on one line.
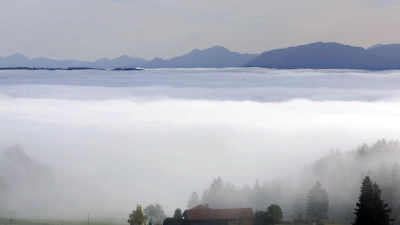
{"points": [[202, 212], [200, 207]]}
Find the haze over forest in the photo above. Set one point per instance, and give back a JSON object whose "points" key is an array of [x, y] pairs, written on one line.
{"points": [[104, 141]]}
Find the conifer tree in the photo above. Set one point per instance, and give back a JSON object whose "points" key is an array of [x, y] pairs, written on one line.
{"points": [[194, 200], [299, 219], [317, 203], [371, 210], [178, 213], [260, 216]]}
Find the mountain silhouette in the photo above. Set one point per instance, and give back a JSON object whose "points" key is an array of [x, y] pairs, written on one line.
{"points": [[330, 56], [214, 57], [19, 60], [122, 61], [375, 46], [390, 54], [317, 55]]}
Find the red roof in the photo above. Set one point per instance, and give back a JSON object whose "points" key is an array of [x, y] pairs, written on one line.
{"points": [[202, 212]]}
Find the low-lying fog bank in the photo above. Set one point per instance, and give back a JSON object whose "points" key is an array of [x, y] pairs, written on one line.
{"points": [[104, 142]]}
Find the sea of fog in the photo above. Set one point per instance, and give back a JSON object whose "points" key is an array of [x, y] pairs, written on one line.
{"points": [[115, 139]]}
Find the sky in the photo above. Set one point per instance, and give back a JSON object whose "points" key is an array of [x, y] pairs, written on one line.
{"points": [[116, 139], [92, 29]]}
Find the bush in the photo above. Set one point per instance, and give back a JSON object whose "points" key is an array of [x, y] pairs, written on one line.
{"points": [[174, 221]]}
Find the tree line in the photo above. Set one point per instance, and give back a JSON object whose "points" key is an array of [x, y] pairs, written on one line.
{"points": [[370, 209], [341, 174], [153, 215]]}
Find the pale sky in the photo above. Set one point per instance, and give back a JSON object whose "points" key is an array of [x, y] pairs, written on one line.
{"points": [[92, 29]]}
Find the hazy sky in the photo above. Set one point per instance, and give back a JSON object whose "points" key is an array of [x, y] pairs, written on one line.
{"points": [[91, 29]]}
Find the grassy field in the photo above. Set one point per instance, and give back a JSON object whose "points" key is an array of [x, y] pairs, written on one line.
{"points": [[15, 221], [51, 222], [59, 222]]}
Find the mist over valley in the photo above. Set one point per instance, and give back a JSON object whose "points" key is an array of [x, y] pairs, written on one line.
{"points": [[105, 141]]}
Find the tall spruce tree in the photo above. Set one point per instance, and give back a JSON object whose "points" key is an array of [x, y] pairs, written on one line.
{"points": [[394, 200], [317, 203], [371, 210]]}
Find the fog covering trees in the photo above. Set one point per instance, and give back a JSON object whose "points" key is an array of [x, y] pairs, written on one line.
{"points": [[339, 172], [3, 194], [193, 201], [317, 203], [20, 177], [155, 214], [98, 132]]}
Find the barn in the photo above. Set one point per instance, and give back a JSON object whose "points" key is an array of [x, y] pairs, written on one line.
{"points": [[204, 215]]}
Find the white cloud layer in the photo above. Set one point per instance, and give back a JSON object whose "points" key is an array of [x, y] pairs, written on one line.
{"points": [[120, 139]]}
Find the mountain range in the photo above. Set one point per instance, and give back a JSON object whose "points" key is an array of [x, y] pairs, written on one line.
{"points": [[317, 55], [214, 57], [19, 60], [321, 55]]}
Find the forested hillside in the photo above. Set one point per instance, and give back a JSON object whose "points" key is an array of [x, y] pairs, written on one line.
{"points": [[340, 173]]}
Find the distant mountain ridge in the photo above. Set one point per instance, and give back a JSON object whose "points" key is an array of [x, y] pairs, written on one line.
{"points": [[214, 57], [19, 60], [375, 46], [321, 55], [317, 55]]}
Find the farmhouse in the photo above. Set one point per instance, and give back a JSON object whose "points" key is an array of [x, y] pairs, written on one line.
{"points": [[203, 215]]}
